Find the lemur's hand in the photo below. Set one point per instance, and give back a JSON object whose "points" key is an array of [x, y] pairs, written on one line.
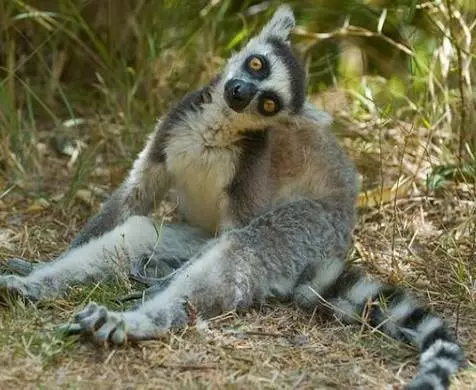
{"points": [[19, 266]]}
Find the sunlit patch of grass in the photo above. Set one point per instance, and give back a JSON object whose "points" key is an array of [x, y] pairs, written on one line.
{"points": [[31, 331], [27, 331]]}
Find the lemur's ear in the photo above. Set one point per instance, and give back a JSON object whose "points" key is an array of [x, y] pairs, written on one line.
{"points": [[280, 24]]}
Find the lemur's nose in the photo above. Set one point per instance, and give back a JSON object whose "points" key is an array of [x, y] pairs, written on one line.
{"points": [[239, 93]]}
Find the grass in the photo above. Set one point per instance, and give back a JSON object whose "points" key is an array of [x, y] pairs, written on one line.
{"points": [[422, 241], [76, 104]]}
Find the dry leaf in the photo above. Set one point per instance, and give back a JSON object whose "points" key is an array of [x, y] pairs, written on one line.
{"points": [[378, 196], [7, 238], [37, 205]]}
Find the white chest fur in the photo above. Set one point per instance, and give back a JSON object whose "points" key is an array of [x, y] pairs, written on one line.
{"points": [[200, 175]]}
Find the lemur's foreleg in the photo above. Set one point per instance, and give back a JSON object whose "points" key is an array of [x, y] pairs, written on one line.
{"points": [[137, 246], [178, 243], [139, 194], [99, 259]]}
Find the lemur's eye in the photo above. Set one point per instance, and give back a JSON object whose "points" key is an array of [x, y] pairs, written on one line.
{"points": [[269, 105], [255, 64]]}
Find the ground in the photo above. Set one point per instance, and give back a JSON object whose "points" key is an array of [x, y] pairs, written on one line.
{"points": [[407, 234]]}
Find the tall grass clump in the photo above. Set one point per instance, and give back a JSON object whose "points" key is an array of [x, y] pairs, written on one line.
{"points": [[70, 62]]}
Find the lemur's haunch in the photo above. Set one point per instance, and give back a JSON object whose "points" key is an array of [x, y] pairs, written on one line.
{"points": [[268, 199]]}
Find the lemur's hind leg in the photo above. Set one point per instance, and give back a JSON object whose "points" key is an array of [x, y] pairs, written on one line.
{"points": [[100, 259], [234, 271]]}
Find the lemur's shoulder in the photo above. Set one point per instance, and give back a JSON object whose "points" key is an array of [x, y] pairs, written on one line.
{"points": [[306, 158]]}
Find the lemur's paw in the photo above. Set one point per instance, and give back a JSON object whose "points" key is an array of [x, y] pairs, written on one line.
{"points": [[19, 266], [12, 286], [107, 327], [101, 325]]}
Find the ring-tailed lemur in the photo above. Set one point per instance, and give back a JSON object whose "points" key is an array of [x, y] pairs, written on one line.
{"points": [[268, 197]]}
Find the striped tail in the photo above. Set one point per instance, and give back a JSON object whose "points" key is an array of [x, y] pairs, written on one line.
{"points": [[353, 297]]}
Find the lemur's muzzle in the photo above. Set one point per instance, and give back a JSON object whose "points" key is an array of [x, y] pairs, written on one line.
{"points": [[239, 93]]}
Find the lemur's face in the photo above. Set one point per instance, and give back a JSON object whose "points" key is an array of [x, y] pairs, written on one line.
{"points": [[265, 78]]}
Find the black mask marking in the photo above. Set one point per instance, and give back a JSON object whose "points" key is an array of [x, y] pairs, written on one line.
{"points": [[295, 70]]}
